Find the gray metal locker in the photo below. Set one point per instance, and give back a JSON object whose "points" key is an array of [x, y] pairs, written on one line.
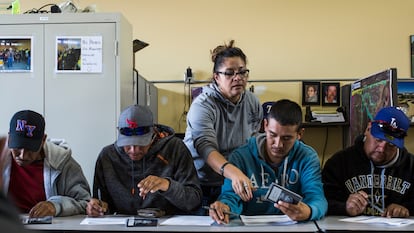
{"points": [[80, 106]]}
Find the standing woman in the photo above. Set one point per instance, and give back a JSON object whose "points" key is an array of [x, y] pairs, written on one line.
{"points": [[220, 119]]}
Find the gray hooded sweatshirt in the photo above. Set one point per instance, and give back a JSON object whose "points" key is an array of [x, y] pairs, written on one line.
{"points": [[214, 123], [64, 182]]}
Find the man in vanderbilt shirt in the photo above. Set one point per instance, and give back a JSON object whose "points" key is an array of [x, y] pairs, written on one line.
{"points": [[375, 176], [276, 156]]}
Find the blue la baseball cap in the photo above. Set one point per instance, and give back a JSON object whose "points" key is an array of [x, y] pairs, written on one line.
{"points": [[391, 125]]}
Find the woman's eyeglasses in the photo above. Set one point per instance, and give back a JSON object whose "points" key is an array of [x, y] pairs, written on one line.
{"points": [[390, 130], [134, 131], [231, 73]]}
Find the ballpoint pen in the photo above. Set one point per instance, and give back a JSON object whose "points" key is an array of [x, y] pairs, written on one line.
{"points": [[224, 212], [99, 196]]}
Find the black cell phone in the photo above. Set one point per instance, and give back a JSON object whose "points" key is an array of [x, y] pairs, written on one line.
{"points": [[141, 222], [277, 192], [40, 220]]}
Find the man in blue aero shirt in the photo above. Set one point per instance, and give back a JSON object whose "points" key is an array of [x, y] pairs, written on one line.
{"points": [[276, 156]]}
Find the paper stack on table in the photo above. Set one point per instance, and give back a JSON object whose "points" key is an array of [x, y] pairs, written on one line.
{"points": [[105, 220], [266, 220], [379, 220]]}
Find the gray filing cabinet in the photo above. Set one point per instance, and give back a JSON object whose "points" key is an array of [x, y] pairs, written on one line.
{"points": [[81, 106], [147, 94]]}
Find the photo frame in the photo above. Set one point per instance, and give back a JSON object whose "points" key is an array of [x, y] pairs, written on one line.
{"points": [[16, 54], [311, 93], [331, 93]]}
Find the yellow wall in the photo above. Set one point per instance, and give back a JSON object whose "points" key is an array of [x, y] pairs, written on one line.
{"points": [[283, 39]]}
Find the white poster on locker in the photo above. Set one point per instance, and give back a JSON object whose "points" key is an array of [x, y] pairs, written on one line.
{"points": [[79, 54]]}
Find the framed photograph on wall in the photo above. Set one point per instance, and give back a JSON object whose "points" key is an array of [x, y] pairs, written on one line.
{"points": [[311, 93], [331, 93], [16, 54]]}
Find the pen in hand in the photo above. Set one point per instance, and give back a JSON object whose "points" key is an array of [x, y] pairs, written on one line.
{"points": [[103, 205], [224, 212], [100, 197]]}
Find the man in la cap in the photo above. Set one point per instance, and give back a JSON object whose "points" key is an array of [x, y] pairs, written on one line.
{"points": [[375, 176], [40, 176], [147, 167]]}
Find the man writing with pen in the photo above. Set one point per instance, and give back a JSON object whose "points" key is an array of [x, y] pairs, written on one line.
{"points": [[276, 156], [146, 168], [375, 176]]}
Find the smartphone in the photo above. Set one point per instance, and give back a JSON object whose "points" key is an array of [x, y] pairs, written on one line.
{"points": [[277, 192], [40, 220], [141, 222]]}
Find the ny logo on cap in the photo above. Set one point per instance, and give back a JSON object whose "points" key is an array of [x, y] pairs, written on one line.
{"points": [[132, 124], [21, 127]]}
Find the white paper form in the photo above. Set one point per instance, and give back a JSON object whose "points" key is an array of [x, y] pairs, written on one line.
{"points": [[328, 117], [105, 220], [188, 220], [266, 220], [379, 220]]}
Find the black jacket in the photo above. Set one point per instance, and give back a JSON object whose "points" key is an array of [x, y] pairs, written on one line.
{"points": [[350, 170], [116, 175]]}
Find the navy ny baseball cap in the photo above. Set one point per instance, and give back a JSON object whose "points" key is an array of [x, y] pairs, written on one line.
{"points": [[27, 129]]}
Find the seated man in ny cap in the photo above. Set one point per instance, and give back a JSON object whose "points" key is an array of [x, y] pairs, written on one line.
{"points": [[375, 176], [40, 176], [147, 167]]}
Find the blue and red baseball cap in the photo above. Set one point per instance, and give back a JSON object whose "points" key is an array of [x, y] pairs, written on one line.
{"points": [[391, 125]]}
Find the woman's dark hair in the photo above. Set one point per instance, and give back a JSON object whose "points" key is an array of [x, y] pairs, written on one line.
{"points": [[224, 51]]}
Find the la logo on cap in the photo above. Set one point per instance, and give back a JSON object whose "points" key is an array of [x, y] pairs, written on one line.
{"points": [[393, 123], [21, 127]]}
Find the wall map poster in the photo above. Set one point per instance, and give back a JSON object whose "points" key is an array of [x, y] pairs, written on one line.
{"points": [[368, 96]]}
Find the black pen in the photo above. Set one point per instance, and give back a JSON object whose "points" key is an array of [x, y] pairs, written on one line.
{"points": [[224, 212]]}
